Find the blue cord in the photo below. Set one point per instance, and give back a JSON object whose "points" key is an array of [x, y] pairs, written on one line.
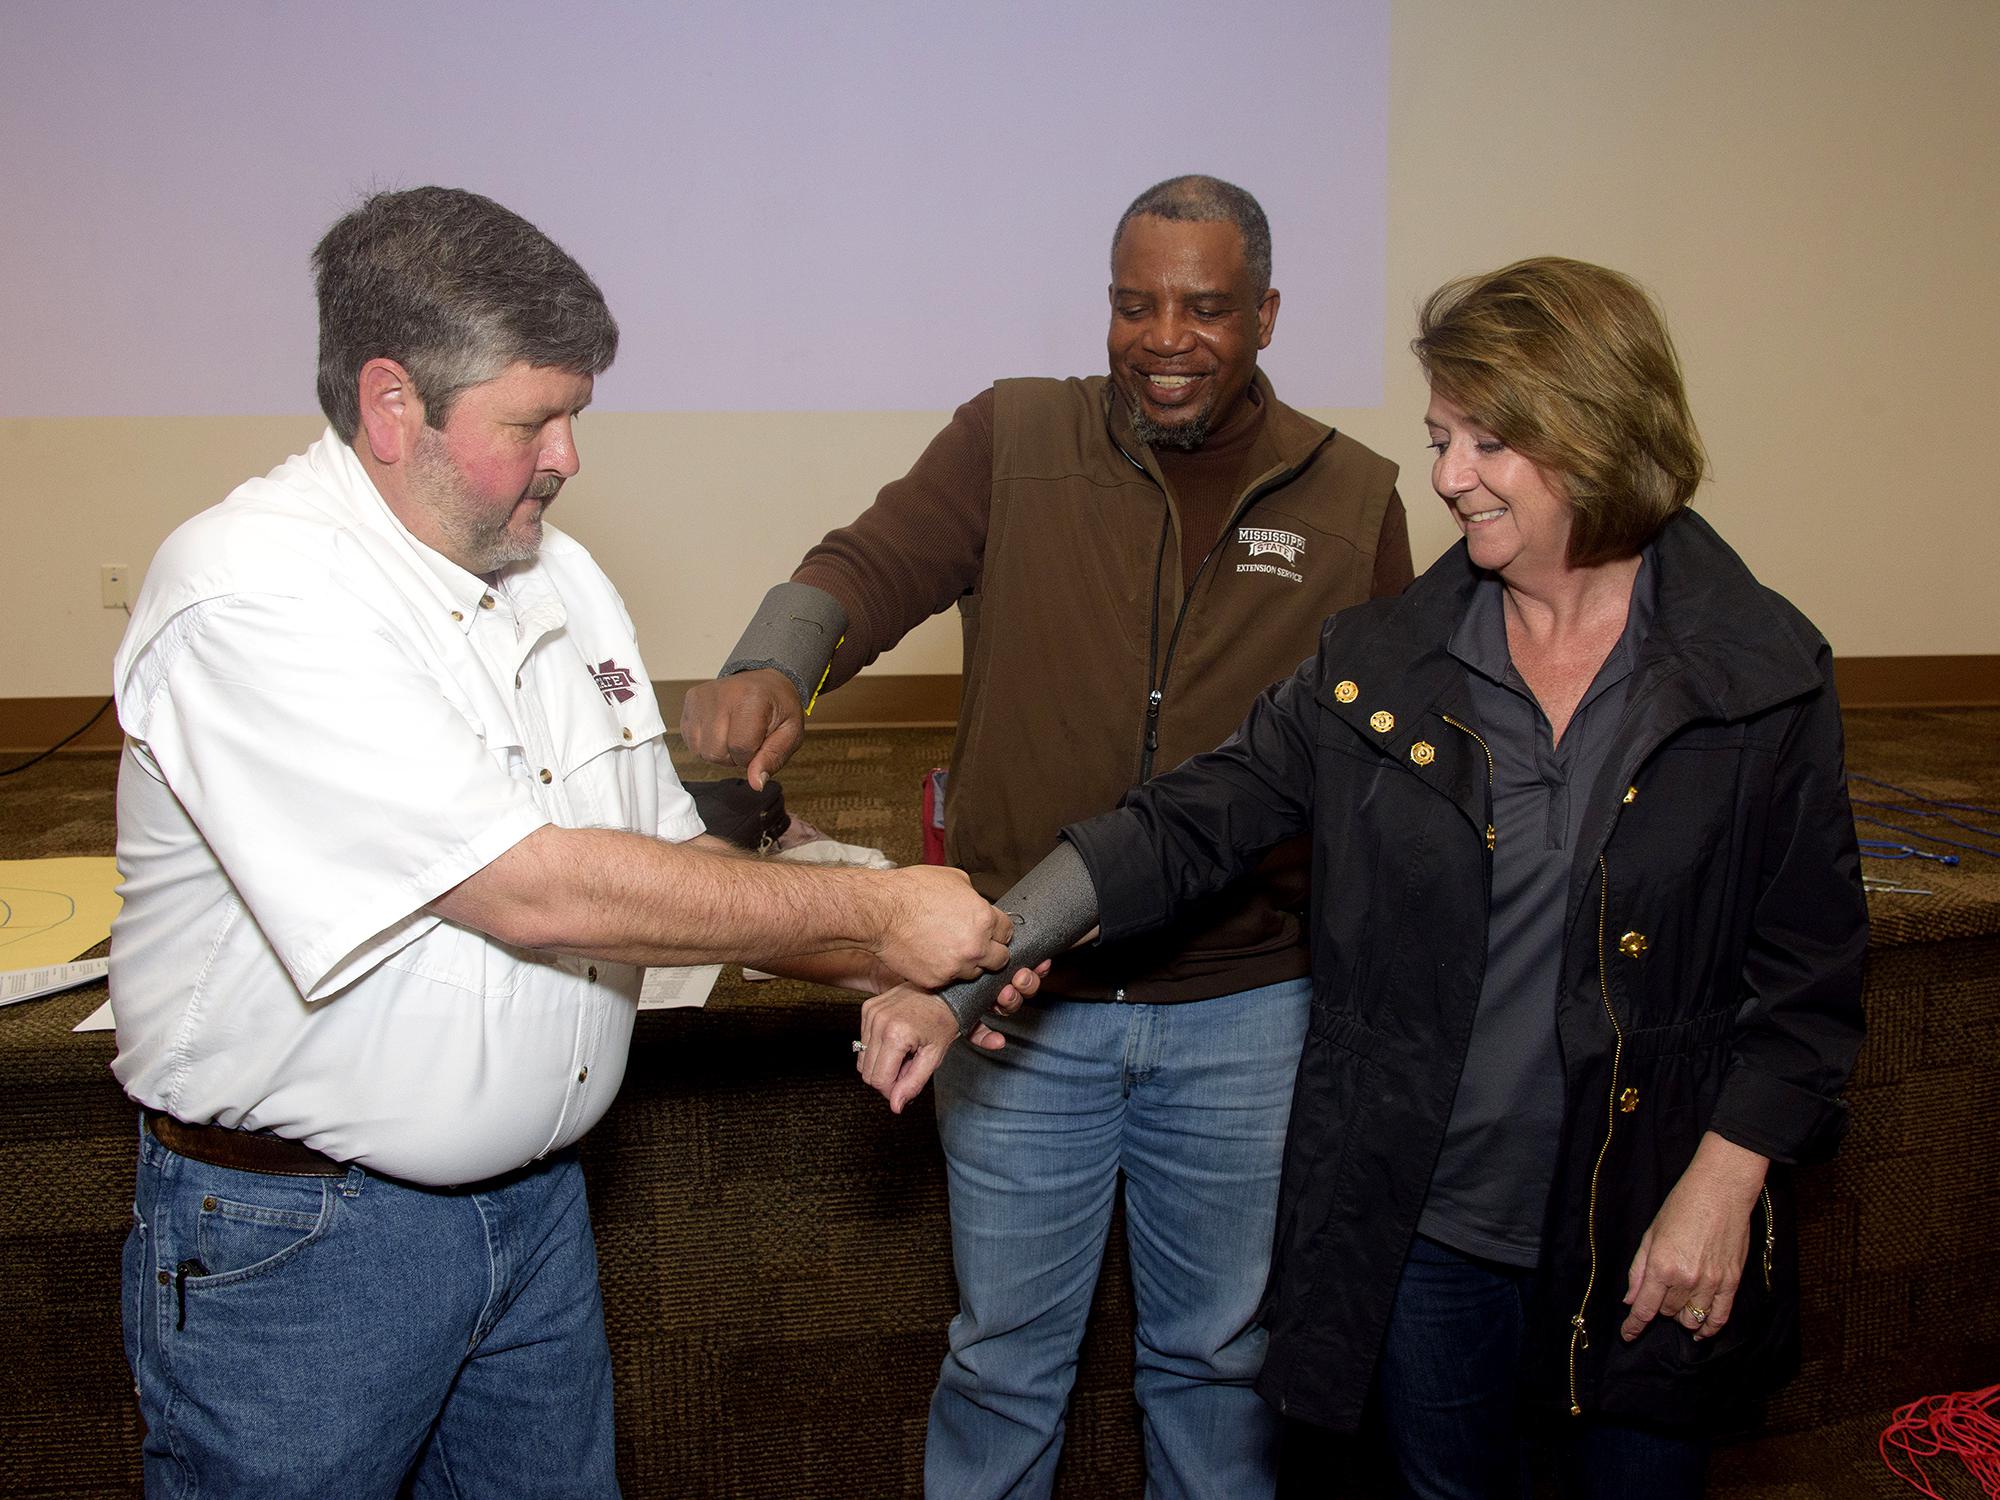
{"points": [[1884, 849], [1991, 812], [1883, 845]]}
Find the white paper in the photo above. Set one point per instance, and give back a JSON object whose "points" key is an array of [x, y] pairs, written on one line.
{"points": [[27, 984], [673, 988], [97, 1020]]}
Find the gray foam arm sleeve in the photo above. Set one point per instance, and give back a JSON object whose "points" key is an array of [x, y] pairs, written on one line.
{"points": [[1052, 905], [795, 631]]}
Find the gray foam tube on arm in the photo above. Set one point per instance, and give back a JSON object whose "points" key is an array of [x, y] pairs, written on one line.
{"points": [[795, 631], [1052, 906]]}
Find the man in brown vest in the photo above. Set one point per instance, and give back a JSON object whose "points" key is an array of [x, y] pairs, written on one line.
{"points": [[1135, 556]]}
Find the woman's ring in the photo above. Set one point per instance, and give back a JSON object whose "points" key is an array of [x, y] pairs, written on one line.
{"points": [[1699, 1314], [858, 1046]]}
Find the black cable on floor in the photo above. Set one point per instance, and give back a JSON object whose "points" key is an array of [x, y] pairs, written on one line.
{"points": [[38, 759]]}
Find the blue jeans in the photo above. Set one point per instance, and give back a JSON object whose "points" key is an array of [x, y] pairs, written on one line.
{"points": [[333, 1336], [1447, 1391], [1190, 1102]]}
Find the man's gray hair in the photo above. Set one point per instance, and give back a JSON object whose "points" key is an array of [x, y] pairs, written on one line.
{"points": [[1208, 200], [454, 288]]}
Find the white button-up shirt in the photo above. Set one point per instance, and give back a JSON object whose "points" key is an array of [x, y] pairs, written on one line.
{"points": [[328, 725]]}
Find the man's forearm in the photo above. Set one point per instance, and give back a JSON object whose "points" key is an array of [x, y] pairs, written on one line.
{"points": [[603, 893], [841, 968]]}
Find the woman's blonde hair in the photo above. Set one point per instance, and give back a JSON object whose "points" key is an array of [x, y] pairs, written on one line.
{"points": [[1570, 365]]}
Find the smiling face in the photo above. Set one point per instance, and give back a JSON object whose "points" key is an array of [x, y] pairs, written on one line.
{"points": [[1186, 325], [1513, 515], [476, 489]]}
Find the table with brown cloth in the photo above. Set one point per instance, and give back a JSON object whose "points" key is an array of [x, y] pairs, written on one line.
{"points": [[774, 1247]]}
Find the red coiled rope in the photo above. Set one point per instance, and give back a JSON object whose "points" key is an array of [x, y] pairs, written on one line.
{"points": [[1962, 1424]]}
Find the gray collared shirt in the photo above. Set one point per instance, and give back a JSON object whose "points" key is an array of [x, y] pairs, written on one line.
{"points": [[1490, 1189]]}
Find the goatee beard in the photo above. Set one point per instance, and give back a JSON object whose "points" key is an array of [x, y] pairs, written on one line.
{"points": [[1185, 436]]}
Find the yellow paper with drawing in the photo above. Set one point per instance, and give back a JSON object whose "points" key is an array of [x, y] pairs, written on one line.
{"points": [[51, 910]]}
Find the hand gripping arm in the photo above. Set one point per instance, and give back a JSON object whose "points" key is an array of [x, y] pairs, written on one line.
{"points": [[1052, 906]]}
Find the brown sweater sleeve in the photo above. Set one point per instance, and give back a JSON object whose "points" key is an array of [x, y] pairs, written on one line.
{"points": [[917, 548], [1392, 551]]}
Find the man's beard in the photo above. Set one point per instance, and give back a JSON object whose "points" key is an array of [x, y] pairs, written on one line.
{"points": [[480, 542], [1186, 436]]}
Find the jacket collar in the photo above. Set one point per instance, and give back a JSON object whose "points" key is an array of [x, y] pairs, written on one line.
{"points": [[1734, 647], [1721, 648]]}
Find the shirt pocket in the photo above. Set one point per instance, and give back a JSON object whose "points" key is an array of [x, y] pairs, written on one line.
{"points": [[603, 780]]}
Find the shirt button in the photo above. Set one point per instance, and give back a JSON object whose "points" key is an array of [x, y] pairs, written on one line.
{"points": [[458, 617], [626, 732], [546, 777], [485, 601], [592, 972], [583, 1074], [1633, 944], [517, 679]]}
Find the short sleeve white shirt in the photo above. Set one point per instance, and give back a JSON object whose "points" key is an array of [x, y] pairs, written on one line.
{"points": [[328, 725]]}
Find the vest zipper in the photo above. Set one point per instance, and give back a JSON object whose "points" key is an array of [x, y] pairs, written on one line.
{"points": [[1154, 693], [1579, 1339], [1158, 690], [1489, 771]]}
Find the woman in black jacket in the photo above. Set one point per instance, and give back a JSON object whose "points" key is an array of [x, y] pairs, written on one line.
{"points": [[1588, 938]]}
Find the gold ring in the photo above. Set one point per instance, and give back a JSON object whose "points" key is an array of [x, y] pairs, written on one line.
{"points": [[1699, 1314]]}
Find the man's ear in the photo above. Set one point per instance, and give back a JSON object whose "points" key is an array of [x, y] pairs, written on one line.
{"points": [[1267, 317], [392, 413]]}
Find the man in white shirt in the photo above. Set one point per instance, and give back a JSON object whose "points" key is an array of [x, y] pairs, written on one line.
{"points": [[398, 830]]}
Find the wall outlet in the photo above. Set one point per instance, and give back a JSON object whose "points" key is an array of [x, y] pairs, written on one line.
{"points": [[114, 582]]}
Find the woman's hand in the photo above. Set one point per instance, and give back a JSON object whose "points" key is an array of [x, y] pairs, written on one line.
{"points": [[906, 1031], [1691, 1259]]}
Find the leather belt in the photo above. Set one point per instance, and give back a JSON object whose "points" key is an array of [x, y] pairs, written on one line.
{"points": [[241, 1150]]}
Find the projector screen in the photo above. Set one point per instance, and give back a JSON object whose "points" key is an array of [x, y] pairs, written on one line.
{"points": [[791, 207]]}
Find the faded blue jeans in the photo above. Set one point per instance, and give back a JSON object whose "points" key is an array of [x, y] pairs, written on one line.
{"points": [[327, 1336], [1190, 1103]]}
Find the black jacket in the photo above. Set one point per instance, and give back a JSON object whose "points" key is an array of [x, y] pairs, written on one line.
{"points": [[1711, 967]]}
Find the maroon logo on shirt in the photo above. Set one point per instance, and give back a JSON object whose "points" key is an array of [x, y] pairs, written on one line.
{"points": [[614, 681]]}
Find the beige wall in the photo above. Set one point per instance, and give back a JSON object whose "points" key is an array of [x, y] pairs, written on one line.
{"points": [[1811, 186]]}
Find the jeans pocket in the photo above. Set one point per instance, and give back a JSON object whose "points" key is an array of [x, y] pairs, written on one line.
{"points": [[261, 1227]]}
